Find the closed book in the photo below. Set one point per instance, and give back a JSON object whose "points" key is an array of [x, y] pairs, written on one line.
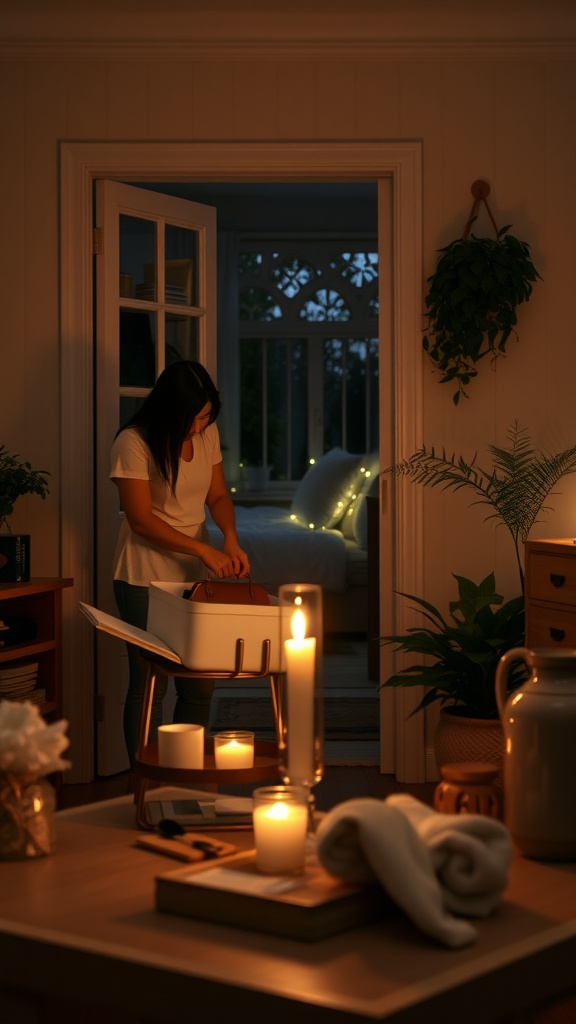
{"points": [[307, 907], [15, 558]]}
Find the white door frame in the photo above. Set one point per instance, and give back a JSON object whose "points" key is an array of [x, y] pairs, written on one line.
{"points": [[402, 739]]}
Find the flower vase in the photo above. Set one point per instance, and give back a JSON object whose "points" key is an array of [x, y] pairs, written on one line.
{"points": [[27, 806]]}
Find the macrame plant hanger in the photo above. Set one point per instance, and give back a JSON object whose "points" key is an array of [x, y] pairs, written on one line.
{"points": [[480, 189]]}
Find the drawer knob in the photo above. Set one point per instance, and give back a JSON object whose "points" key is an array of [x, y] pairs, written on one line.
{"points": [[557, 634], [557, 580]]}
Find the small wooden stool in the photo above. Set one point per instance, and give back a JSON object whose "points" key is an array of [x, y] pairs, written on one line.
{"points": [[468, 788], [146, 767]]}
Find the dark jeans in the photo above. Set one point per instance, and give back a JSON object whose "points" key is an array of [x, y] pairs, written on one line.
{"points": [[193, 695]]}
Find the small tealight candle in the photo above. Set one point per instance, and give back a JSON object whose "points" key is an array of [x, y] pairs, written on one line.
{"points": [[234, 749], [280, 820]]}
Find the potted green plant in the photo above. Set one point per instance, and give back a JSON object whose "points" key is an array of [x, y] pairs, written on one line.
{"points": [[471, 303], [515, 487], [465, 648], [16, 479]]}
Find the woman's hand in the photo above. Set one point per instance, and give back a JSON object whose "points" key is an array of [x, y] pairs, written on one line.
{"points": [[224, 564], [233, 549], [221, 508]]}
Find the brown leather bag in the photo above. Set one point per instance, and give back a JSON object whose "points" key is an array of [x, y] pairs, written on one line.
{"points": [[243, 591]]}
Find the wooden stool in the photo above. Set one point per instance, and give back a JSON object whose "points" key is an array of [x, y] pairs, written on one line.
{"points": [[146, 767], [468, 788]]}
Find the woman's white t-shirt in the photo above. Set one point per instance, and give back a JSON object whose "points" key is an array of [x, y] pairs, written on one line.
{"points": [[136, 560]]}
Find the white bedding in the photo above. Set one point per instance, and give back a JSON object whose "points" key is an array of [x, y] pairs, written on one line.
{"points": [[283, 551]]}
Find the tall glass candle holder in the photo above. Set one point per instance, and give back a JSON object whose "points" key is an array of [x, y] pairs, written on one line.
{"points": [[301, 711]]}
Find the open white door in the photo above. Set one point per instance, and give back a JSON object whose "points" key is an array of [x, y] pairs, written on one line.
{"points": [[155, 303]]}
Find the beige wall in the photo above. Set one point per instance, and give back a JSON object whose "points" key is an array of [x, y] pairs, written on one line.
{"points": [[504, 111]]}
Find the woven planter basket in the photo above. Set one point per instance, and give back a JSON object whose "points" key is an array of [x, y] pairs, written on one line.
{"points": [[460, 739]]}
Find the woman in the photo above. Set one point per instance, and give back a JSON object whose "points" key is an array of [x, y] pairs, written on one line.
{"points": [[167, 465]]}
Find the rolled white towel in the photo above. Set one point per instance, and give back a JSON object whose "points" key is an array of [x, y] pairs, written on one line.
{"points": [[365, 840], [470, 854]]}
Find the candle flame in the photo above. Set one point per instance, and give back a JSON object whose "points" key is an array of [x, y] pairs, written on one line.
{"points": [[279, 811], [298, 623]]}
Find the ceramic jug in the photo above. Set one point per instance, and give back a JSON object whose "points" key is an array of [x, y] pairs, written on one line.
{"points": [[539, 723]]}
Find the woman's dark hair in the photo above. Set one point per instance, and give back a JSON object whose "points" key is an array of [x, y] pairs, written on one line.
{"points": [[166, 415]]}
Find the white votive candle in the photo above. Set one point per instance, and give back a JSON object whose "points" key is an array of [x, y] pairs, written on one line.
{"points": [[280, 820], [181, 745], [234, 749]]}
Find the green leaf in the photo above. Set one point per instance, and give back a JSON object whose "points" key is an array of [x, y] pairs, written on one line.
{"points": [[16, 479], [515, 487], [464, 653], [471, 302]]}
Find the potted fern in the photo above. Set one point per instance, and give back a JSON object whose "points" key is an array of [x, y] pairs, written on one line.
{"points": [[466, 645], [16, 479]]}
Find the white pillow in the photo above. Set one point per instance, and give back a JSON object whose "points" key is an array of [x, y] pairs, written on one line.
{"points": [[355, 522], [326, 489]]}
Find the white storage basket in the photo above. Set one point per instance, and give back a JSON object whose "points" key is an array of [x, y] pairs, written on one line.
{"points": [[205, 636]]}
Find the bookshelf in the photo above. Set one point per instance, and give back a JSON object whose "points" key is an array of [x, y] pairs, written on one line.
{"points": [[39, 601]]}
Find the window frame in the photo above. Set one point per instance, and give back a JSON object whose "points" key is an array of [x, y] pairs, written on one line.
{"points": [[322, 247]]}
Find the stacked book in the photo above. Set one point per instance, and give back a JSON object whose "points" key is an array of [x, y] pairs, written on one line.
{"points": [[18, 682], [174, 295]]}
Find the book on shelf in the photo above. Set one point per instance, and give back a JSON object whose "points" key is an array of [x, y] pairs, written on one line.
{"points": [[37, 696], [307, 907], [22, 669]]}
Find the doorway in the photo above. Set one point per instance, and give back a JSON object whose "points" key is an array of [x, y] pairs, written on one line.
{"points": [[302, 314], [402, 746]]}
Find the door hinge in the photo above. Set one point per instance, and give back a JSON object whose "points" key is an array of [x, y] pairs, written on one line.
{"points": [[97, 248], [99, 707]]}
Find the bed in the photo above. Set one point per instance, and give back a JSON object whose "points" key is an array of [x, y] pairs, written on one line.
{"points": [[322, 538]]}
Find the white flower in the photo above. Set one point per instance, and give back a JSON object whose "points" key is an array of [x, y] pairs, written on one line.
{"points": [[27, 744]]}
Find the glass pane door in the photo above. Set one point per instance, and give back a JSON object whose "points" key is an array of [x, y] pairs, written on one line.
{"points": [[159, 273], [155, 303]]}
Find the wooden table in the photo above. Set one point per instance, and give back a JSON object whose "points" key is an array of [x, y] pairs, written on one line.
{"points": [[80, 940]]}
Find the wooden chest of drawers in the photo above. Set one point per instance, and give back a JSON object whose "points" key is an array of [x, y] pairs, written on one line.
{"points": [[550, 592]]}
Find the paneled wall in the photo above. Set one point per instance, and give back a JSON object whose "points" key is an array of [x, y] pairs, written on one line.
{"points": [[505, 113]]}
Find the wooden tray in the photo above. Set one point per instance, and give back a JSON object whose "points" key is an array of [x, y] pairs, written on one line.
{"points": [[307, 907]]}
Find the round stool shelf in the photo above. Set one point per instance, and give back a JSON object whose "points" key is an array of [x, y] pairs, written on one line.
{"points": [[265, 766], [147, 770]]}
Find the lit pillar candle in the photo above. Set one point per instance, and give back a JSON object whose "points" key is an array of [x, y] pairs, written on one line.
{"points": [[280, 828], [234, 750], [300, 668]]}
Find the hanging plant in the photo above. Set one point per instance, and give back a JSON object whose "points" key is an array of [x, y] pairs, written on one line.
{"points": [[472, 298]]}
